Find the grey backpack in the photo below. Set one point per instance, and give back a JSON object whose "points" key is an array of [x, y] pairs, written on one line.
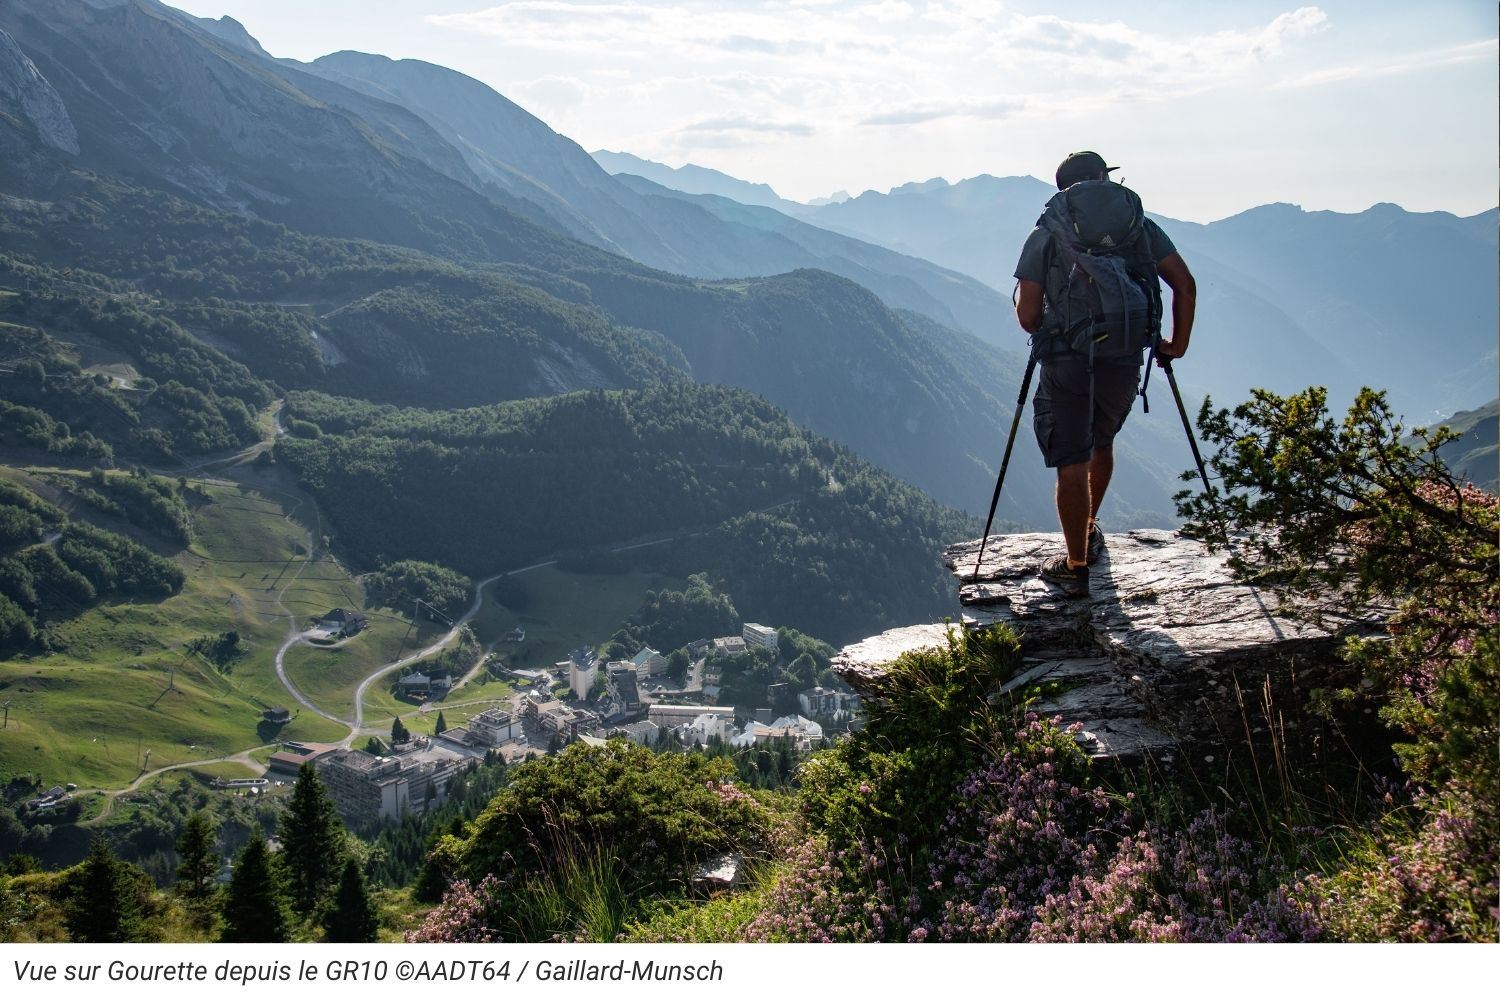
{"points": [[1103, 298]]}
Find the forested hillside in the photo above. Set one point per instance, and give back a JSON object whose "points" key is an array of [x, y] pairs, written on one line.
{"points": [[798, 531], [52, 567]]}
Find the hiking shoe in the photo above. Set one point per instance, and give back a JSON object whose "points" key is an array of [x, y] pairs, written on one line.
{"points": [[1096, 542], [1074, 580]]}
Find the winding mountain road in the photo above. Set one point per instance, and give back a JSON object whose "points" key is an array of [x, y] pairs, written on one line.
{"points": [[449, 636]]}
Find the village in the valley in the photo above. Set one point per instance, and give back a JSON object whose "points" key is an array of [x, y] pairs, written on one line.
{"points": [[580, 699]]}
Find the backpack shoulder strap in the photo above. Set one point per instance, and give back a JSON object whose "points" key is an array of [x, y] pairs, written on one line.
{"points": [[1057, 220]]}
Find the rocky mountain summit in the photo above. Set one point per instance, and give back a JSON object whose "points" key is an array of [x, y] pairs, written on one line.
{"points": [[1170, 654]]}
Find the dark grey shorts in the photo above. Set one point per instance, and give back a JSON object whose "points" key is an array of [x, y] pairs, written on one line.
{"points": [[1065, 429]]}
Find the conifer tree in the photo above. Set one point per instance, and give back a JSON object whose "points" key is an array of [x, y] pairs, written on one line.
{"points": [[1360, 513], [399, 732], [104, 905], [312, 839], [442, 723], [200, 862], [351, 918], [255, 905]]}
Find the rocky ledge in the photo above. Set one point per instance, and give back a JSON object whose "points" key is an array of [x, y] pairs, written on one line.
{"points": [[1168, 655]]}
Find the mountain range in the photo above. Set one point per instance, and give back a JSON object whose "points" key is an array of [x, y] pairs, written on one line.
{"points": [[395, 231], [1397, 300], [160, 102]]}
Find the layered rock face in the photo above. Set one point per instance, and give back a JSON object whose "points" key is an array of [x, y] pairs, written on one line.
{"points": [[24, 91], [1168, 655]]}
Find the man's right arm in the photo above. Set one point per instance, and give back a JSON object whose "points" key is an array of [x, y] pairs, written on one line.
{"points": [[1029, 305], [1174, 271], [1031, 271]]}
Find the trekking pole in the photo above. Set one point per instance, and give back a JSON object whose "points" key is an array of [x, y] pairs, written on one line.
{"points": [[1166, 366], [1009, 442]]}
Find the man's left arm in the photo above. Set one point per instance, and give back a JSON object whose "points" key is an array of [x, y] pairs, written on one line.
{"points": [[1174, 271]]}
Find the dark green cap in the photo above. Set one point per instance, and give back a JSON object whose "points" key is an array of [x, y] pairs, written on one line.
{"points": [[1080, 167]]}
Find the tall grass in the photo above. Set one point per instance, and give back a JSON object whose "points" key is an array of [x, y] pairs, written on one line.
{"points": [[582, 899]]}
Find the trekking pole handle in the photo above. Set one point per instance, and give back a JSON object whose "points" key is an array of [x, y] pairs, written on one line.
{"points": [[1025, 385]]}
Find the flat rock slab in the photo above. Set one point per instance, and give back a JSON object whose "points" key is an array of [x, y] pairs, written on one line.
{"points": [[1167, 650], [864, 663], [1157, 594]]}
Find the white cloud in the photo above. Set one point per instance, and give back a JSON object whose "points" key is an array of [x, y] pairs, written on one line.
{"points": [[709, 73], [685, 29], [740, 124], [1136, 57], [889, 10], [1452, 56], [1300, 22], [555, 93], [949, 44], [921, 112], [1078, 40]]}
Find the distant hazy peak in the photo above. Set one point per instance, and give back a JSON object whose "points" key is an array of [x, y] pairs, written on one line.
{"points": [[691, 179], [227, 29], [626, 162], [918, 187], [1284, 213], [837, 198]]}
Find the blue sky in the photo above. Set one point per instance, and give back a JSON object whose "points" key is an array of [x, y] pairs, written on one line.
{"points": [[1208, 108]]}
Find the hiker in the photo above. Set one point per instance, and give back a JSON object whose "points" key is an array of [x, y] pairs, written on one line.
{"points": [[1088, 294]]}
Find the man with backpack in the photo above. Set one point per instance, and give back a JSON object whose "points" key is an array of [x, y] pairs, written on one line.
{"points": [[1088, 293]]}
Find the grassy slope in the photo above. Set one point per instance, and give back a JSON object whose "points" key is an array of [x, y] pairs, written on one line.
{"points": [[89, 710], [329, 674]]}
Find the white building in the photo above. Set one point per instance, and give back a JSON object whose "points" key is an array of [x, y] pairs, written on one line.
{"points": [[581, 679], [759, 635], [494, 727], [805, 734], [729, 645], [581, 667], [825, 701], [705, 727], [555, 718], [368, 789], [648, 662], [644, 733], [674, 716]]}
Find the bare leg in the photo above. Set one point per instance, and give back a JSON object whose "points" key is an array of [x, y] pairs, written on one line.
{"points": [[1073, 508], [1101, 469]]}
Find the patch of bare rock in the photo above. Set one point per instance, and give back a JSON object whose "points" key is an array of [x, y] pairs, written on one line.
{"points": [[1168, 656]]}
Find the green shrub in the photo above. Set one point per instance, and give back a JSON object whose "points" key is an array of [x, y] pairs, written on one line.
{"points": [[577, 842], [659, 814], [932, 723]]}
